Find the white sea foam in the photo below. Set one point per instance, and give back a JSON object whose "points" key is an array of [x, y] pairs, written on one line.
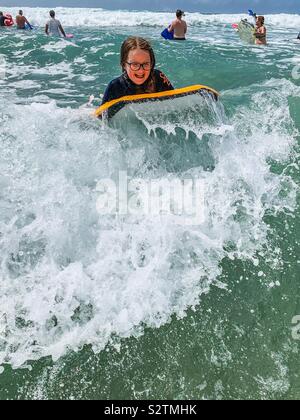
{"points": [[70, 277], [85, 17]]}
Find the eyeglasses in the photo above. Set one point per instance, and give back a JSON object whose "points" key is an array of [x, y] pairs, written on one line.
{"points": [[138, 66]]}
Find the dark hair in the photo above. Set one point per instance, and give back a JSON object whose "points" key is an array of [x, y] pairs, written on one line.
{"points": [[21, 12], [261, 19], [179, 13], [52, 13], [133, 43]]}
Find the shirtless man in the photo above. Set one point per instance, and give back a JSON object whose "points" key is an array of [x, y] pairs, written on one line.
{"points": [[21, 21], [261, 31], [53, 26], [179, 27]]}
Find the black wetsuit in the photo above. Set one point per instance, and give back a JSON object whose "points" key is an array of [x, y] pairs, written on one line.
{"points": [[123, 86], [2, 20]]}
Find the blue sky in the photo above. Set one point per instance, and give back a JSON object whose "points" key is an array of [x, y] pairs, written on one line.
{"points": [[206, 6]]}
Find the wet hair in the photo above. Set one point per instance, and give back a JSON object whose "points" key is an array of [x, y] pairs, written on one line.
{"points": [[261, 19], [20, 12], [179, 13], [52, 13], [133, 43]]}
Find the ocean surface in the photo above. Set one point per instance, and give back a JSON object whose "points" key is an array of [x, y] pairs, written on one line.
{"points": [[105, 307]]}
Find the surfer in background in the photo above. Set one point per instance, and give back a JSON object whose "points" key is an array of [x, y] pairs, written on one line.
{"points": [[54, 27], [21, 21], [261, 31], [178, 26], [139, 73]]}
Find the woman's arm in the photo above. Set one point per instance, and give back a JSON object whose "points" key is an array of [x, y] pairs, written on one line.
{"points": [[62, 30], [261, 33]]}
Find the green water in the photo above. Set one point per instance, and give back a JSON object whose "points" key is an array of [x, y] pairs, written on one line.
{"points": [[226, 330]]}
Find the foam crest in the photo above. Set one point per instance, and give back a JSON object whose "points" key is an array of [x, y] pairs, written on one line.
{"points": [[87, 17]]}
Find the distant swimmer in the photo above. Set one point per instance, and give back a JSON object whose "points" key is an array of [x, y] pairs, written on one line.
{"points": [[21, 21], [54, 27], [178, 26], [2, 19], [6, 19], [261, 31], [139, 74]]}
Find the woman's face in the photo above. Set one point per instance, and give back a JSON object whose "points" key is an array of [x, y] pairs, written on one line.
{"points": [[136, 57]]}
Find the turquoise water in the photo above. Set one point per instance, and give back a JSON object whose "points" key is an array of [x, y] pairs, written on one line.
{"points": [[139, 308]]}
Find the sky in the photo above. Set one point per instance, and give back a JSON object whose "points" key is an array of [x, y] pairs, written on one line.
{"points": [[205, 6]]}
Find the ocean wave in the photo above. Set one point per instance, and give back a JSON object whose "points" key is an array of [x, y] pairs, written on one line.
{"points": [[71, 277], [88, 17]]}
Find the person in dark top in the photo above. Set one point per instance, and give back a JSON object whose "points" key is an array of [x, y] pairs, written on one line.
{"points": [[139, 73], [2, 19]]}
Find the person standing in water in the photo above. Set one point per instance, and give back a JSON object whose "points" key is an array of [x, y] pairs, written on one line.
{"points": [[21, 21], [54, 27], [178, 26], [261, 31], [2, 19]]}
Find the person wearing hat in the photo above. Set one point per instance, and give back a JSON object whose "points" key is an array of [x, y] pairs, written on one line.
{"points": [[178, 26]]}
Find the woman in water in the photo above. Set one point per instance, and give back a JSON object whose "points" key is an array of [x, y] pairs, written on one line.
{"points": [[139, 73], [261, 31]]}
